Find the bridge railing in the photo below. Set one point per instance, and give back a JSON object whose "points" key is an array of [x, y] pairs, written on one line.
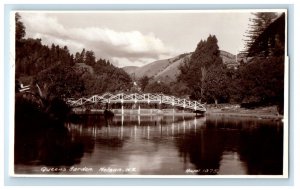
{"points": [[137, 98]]}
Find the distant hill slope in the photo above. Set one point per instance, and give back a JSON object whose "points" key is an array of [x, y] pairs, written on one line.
{"points": [[170, 73], [166, 70], [130, 69], [227, 57], [152, 69]]}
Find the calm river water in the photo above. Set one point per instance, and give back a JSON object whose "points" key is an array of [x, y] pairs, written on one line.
{"points": [[156, 145]]}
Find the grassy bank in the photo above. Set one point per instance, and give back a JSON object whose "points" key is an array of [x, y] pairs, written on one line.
{"points": [[137, 112], [227, 110], [236, 111], [220, 110]]}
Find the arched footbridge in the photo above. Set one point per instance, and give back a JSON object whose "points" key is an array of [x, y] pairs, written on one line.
{"points": [[138, 98]]}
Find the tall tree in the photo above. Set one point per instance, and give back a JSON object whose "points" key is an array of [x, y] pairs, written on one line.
{"points": [[259, 22], [262, 77], [53, 69], [271, 41], [193, 71], [144, 81], [77, 58], [216, 84], [82, 56], [60, 81], [90, 58], [20, 28]]}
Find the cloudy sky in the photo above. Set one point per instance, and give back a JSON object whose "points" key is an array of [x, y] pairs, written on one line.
{"points": [[136, 38]]}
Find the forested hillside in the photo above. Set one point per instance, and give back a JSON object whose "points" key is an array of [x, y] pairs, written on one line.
{"points": [[257, 82], [208, 74], [167, 70], [58, 72], [254, 78]]}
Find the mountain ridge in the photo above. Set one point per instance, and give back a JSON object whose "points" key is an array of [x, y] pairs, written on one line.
{"points": [[167, 70]]}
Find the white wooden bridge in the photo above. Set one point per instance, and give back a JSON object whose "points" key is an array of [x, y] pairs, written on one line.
{"points": [[138, 98]]}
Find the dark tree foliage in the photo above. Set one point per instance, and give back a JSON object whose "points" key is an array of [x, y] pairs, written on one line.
{"points": [[193, 71], [57, 73], [234, 84], [158, 87], [33, 57], [180, 89], [144, 81], [263, 81], [78, 58], [90, 58], [60, 81], [216, 84], [82, 56], [257, 26], [20, 28], [262, 78], [107, 78], [271, 41]]}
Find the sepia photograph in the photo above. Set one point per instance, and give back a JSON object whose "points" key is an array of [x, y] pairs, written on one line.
{"points": [[153, 93]]}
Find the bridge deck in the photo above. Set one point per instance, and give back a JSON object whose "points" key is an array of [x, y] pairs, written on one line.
{"points": [[138, 98]]}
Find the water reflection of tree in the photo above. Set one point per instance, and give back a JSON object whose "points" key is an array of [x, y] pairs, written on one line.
{"points": [[52, 147], [262, 149], [259, 144], [88, 124], [87, 128], [42, 140], [204, 149], [85, 140]]}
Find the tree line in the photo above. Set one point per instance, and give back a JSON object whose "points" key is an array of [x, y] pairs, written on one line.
{"points": [[257, 81], [58, 73]]}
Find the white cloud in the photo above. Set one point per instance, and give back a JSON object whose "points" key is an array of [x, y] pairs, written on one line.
{"points": [[41, 23], [71, 44], [128, 47]]}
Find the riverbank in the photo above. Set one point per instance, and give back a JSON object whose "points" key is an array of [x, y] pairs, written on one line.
{"points": [[142, 112], [236, 111], [220, 110]]}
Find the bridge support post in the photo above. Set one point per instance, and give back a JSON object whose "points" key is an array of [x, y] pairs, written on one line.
{"points": [[122, 123], [122, 110], [139, 120], [139, 111]]}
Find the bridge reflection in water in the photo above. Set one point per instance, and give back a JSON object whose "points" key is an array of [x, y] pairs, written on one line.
{"points": [[158, 145], [136, 126], [161, 145]]}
